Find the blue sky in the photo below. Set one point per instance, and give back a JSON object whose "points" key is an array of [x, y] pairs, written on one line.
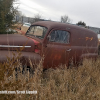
{"points": [[77, 10]]}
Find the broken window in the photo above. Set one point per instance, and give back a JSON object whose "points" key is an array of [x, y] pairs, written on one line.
{"points": [[59, 36]]}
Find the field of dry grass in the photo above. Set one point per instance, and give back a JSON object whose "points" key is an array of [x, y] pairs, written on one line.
{"points": [[82, 83]]}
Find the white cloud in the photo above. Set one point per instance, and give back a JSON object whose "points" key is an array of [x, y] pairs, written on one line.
{"points": [[84, 10]]}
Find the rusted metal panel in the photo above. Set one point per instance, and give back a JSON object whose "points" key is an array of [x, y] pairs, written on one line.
{"points": [[25, 57], [15, 42]]}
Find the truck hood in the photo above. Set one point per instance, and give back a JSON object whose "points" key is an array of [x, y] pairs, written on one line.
{"points": [[14, 42]]}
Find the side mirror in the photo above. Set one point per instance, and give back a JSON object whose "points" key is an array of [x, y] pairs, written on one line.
{"points": [[48, 37]]}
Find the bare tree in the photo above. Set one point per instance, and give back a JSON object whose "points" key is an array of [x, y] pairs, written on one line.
{"points": [[65, 19], [19, 13], [37, 17]]}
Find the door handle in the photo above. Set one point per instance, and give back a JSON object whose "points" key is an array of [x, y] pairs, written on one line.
{"points": [[68, 50]]}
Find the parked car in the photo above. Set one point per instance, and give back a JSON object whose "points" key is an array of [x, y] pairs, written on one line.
{"points": [[58, 43], [27, 24]]}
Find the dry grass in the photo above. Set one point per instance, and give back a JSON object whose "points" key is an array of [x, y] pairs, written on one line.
{"points": [[18, 25], [24, 29], [82, 83]]}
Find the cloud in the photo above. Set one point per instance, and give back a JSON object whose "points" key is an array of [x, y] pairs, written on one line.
{"points": [[84, 10]]}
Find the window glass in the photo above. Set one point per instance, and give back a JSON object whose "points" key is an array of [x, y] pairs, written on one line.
{"points": [[59, 36], [37, 31]]}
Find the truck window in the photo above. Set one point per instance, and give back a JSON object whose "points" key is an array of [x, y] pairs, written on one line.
{"points": [[37, 31], [59, 36]]}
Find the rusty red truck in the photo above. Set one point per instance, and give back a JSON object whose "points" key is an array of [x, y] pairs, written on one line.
{"points": [[58, 43]]}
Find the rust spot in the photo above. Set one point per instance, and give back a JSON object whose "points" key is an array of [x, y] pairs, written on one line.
{"points": [[57, 57], [91, 38], [87, 38]]}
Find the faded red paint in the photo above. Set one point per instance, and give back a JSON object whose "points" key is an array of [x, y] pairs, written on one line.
{"points": [[35, 42], [82, 43]]}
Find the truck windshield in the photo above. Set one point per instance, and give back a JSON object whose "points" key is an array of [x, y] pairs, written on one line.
{"points": [[37, 31]]}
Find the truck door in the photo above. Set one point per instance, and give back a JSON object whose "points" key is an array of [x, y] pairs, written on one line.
{"points": [[57, 49]]}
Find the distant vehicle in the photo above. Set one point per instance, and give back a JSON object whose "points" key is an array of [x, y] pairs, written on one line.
{"points": [[27, 24], [58, 43]]}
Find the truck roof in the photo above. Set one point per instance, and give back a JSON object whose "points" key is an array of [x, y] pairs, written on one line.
{"points": [[52, 24]]}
